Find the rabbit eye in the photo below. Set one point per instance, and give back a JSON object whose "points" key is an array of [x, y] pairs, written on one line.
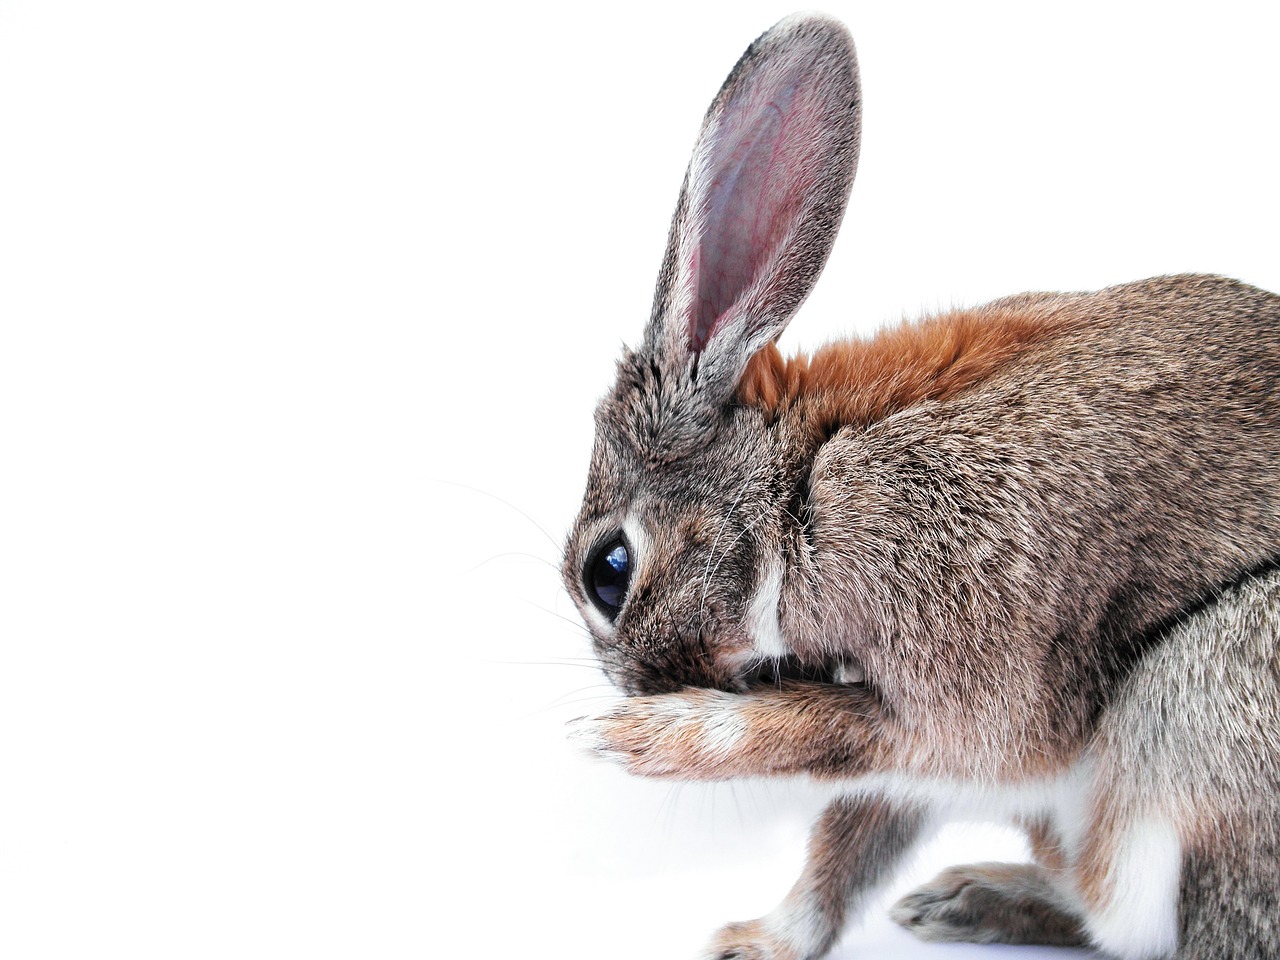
{"points": [[607, 575]]}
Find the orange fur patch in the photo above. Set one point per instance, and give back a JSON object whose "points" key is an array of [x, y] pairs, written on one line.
{"points": [[1093, 863], [1046, 845], [862, 381]]}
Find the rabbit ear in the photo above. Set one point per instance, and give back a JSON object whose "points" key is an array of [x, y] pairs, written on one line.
{"points": [[762, 199]]}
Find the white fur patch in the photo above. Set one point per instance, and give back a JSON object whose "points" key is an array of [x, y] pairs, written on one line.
{"points": [[797, 922], [965, 799], [717, 725], [762, 616], [596, 620], [1141, 920], [638, 537], [722, 729]]}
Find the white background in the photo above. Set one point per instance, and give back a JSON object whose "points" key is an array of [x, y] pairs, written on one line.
{"points": [[304, 308]]}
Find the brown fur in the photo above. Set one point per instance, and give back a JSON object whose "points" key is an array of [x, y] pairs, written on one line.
{"points": [[1091, 869], [857, 382], [835, 728], [1045, 843]]}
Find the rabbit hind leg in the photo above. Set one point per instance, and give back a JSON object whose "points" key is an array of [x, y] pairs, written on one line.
{"points": [[1230, 898], [990, 903]]}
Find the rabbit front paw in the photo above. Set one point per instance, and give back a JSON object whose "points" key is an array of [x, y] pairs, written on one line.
{"points": [[690, 735], [749, 940]]}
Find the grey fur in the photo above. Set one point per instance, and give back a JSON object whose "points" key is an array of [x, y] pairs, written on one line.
{"points": [[1198, 726], [1062, 572], [991, 903]]}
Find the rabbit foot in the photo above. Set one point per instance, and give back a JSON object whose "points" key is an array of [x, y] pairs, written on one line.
{"points": [[684, 735], [989, 903], [748, 940]]}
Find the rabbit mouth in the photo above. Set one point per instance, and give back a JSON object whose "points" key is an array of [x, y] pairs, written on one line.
{"points": [[843, 671]]}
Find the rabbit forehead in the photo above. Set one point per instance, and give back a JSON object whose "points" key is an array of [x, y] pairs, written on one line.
{"points": [[657, 411], [658, 429], [670, 508], [691, 497]]}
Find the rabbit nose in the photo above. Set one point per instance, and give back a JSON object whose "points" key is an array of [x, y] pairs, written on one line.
{"points": [[679, 670]]}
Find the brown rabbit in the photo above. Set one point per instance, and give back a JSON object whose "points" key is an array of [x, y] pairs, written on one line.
{"points": [[1017, 560]]}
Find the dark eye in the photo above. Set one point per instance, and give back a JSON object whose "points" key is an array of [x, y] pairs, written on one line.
{"points": [[607, 576]]}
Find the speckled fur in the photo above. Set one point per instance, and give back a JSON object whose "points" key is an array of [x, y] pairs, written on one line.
{"points": [[1049, 541]]}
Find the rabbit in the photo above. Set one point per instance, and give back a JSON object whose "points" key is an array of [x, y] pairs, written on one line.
{"points": [[1016, 561]]}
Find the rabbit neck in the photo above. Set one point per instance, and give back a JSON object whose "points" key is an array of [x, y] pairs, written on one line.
{"points": [[858, 382]]}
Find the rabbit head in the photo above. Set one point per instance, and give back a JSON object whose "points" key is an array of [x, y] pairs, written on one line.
{"points": [[688, 491]]}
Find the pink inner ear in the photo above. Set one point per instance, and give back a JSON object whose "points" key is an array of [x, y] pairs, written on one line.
{"points": [[763, 162]]}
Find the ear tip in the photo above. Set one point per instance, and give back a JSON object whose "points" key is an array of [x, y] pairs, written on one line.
{"points": [[810, 42], [817, 18], [808, 24]]}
